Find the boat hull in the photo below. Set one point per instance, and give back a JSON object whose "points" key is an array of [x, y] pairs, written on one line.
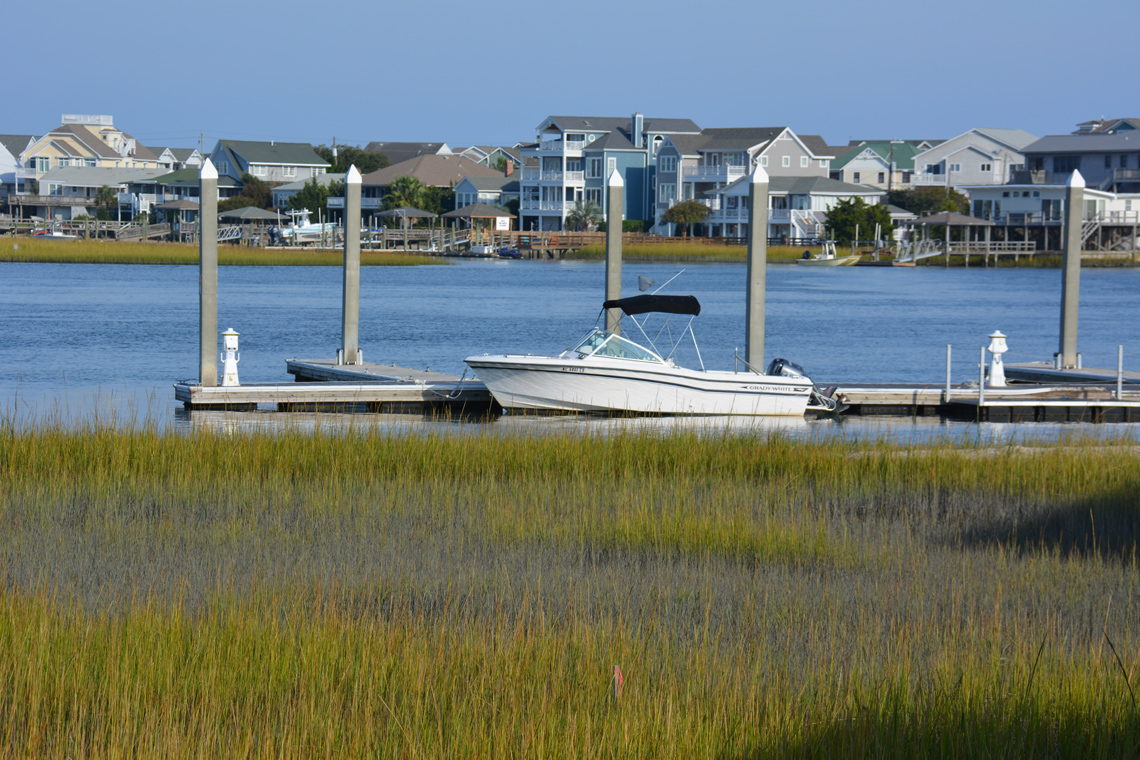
{"points": [[537, 383], [838, 261]]}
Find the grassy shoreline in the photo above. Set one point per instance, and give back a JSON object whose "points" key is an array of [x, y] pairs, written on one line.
{"points": [[27, 250], [356, 594]]}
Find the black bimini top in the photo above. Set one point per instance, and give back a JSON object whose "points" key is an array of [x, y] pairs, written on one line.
{"points": [[648, 303]]}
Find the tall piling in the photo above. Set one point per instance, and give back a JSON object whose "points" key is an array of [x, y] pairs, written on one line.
{"points": [[350, 301], [614, 204], [1071, 284], [757, 269], [208, 274]]}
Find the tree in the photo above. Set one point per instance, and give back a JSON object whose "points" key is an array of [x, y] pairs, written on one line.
{"points": [[851, 213], [257, 191], [586, 215], [437, 199], [105, 202], [314, 195], [350, 155], [405, 191], [686, 214], [929, 200]]}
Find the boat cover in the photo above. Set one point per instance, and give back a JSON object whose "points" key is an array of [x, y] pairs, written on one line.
{"points": [[649, 303]]}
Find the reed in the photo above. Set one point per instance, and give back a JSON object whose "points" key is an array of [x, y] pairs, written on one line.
{"points": [[296, 594], [16, 249]]}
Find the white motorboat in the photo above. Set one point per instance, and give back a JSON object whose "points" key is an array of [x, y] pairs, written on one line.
{"points": [[607, 372], [828, 257]]}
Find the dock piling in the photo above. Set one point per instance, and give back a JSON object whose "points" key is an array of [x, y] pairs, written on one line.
{"points": [[208, 275], [350, 301], [1071, 284], [614, 204], [757, 270]]}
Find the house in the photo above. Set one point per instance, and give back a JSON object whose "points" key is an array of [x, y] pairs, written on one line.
{"points": [[493, 191], [11, 148], [567, 164], [398, 152], [980, 156], [694, 166], [1107, 160], [1104, 126], [270, 161], [173, 159], [282, 193], [494, 156], [431, 169], [798, 206], [91, 141], [70, 192], [180, 185], [885, 164]]}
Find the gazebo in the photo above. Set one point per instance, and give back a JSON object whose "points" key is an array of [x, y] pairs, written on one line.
{"points": [[248, 217], [952, 219], [404, 213], [178, 213]]}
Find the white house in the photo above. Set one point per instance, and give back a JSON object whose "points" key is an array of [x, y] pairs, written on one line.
{"points": [[980, 156], [798, 206]]}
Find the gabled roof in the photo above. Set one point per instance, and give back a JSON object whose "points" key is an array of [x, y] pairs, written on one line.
{"points": [[396, 152], [615, 140], [1014, 138], [738, 138], [322, 179], [477, 211], [87, 139], [1107, 126], [610, 123], [188, 176], [1092, 143], [273, 152], [498, 182], [902, 155], [799, 186], [432, 170], [16, 144], [818, 146]]}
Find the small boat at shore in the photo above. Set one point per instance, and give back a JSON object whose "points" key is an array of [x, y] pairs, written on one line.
{"points": [[606, 372], [828, 257]]}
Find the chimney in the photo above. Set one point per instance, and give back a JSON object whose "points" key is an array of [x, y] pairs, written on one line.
{"points": [[637, 129], [509, 168]]}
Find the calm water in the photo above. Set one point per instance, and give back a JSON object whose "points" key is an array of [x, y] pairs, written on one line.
{"points": [[78, 337]]}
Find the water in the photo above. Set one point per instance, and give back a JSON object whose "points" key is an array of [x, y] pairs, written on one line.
{"points": [[114, 338]]}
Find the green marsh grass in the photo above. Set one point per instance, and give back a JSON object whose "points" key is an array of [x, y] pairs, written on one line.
{"points": [[22, 249], [353, 594]]}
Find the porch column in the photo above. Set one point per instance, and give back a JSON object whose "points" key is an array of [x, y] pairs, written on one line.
{"points": [[757, 269], [1071, 254], [614, 202], [208, 275]]}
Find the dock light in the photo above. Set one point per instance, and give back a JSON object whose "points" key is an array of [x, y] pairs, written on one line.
{"points": [[230, 357], [997, 347]]}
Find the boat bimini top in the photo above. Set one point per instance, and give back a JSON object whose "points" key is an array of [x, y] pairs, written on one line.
{"points": [[605, 344]]}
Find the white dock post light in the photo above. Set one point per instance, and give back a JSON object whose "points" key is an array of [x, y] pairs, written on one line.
{"points": [[230, 358], [997, 347]]}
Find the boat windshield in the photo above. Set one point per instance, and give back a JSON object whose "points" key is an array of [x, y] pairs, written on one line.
{"points": [[599, 343]]}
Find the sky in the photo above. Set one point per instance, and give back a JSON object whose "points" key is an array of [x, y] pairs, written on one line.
{"points": [[174, 73]]}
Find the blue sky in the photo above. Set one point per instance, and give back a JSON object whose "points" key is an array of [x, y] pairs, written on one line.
{"points": [[487, 73]]}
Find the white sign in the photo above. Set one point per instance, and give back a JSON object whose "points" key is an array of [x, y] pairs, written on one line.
{"points": [[502, 222]]}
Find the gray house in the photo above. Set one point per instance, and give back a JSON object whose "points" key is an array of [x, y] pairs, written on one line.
{"points": [[269, 161], [980, 156], [11, 146], [1107, 161]]}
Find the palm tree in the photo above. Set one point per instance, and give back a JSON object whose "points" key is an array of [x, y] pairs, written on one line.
{"points": [[405, 191], [586, 215]]}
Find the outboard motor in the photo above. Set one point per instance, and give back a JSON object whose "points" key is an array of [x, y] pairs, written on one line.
{"points": [[785, 368]]}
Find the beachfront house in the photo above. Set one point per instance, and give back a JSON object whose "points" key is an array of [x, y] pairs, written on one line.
{"points": [[979, 156], [1107, 160], [573, 156], [84, 141], [269, 161], [173, 159], [493, 191], [798, 206], [695, 166]]}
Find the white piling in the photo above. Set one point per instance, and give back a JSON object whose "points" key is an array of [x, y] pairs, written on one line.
{"points": [[614, 204], [350, 300], [208, 274], [1071, 284], [1119, 373], [757, 270]]}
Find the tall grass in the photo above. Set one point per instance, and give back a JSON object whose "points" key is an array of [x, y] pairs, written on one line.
{"points": [[16, 249], [354, 594]]}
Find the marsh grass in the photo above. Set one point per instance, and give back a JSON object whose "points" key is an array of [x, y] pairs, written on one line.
{"points": [[18, 249], [354, 594]]}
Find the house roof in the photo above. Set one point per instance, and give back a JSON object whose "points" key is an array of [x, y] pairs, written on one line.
{"points": [[1108, 126], [615, 140], [818, 146], [16, 144], [432, 170], [396, 152], [477, 211], [97, 176], [273, 152], [729, 138], [322, 179], [499, 182], [610, 123], [1091, 143], [1015, 138], [902, 155], [189, 176]]}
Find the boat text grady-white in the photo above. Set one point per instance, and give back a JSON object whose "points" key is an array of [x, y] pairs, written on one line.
{"points": [[607, 372]]}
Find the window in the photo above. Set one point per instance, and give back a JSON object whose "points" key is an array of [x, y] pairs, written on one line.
{"points": [[855, 177], [611, 165], [223, 167], [986, 167], [60, 162], [955, 167], [315, 172], [1005, 194], [89, 162], [666, 192], [289, 171], [594, 168], [1107, 161], [258, 170], [1123, 161], [804, 162], [882, 177], [763, 160], [594, 194], [822, 163], [668, 164], [785, 161]]}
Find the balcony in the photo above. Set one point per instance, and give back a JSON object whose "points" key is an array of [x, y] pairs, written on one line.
{"points": [[366, 204], [562, 147], [547, 207], [710, 173], [557, 177]]}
